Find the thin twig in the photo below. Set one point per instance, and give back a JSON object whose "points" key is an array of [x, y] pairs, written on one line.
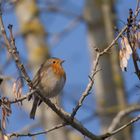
{"points": [[137, 5], [109, 134], [37, 133], [87, 90], [117, 120], [126, 125], [13, 51], [23, 97], [130, 38]]}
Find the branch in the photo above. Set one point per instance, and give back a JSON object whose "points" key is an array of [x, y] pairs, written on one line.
{"points": [[137, 5], [68, 119], [86, 92], [37, 133], [94, 69], [13, 51], [109, 134], [61, 113], [121, 115], [23, 97]]}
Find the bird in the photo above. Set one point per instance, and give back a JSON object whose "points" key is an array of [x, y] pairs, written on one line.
{"points": [[50, 80]]}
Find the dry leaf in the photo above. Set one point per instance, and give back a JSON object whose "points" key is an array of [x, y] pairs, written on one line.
{"points": [[125, 44], [14, 89], [123, 60], [17, 89], [6, 111], [4, 118], [124, 53]]}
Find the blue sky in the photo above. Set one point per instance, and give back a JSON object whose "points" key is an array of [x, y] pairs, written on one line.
{"points": [[74, 49]]}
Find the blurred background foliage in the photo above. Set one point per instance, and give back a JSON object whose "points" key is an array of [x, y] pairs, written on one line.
{"points": [[70, 30]]}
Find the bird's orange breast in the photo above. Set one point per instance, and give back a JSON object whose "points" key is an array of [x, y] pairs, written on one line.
{"points": [[58, 70]]}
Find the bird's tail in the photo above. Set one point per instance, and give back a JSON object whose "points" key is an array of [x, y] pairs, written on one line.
{"points": [[34, 107]]}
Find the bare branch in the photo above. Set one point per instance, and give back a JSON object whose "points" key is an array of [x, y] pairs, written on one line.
{"points": [[37, 133], [23, 97], [88, 88], [121, 115], [109, 134], [137, 5], [64, 115], [68, 118], [94, 69], [13, 51]]}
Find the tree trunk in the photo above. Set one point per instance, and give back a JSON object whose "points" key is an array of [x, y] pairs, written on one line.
{"points": [[108, 82]]}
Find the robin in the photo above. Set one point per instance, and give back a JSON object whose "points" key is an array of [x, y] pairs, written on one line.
{"points": [[50, 79]]}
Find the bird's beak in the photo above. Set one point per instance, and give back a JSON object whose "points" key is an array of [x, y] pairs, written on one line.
{"points": [[62, 61]]}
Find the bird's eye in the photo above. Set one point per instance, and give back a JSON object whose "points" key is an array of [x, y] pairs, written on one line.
{"points": [[54, 62]]}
